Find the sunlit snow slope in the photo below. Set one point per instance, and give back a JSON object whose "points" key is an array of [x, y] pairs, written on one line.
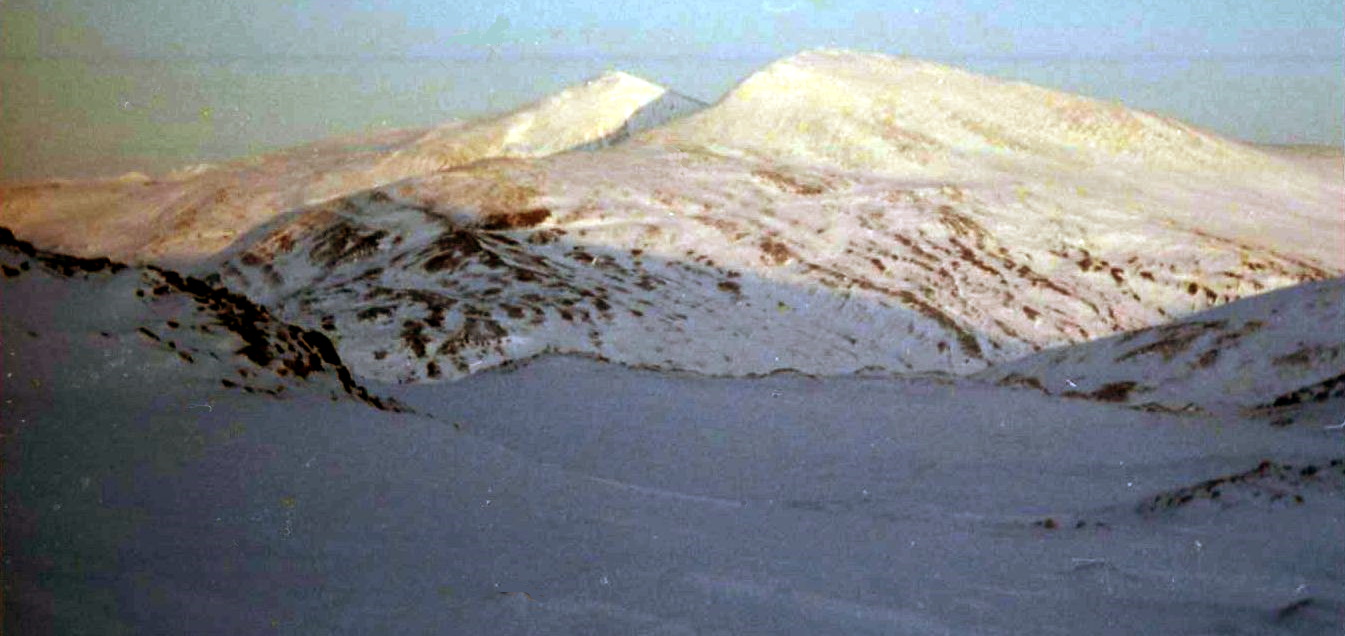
{"points": [[882, 113], [717, 243], [197, 211], [728, 266], [836, 212]]}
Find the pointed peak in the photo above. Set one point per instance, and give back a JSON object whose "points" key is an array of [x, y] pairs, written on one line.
{"points": [[616, 77]]}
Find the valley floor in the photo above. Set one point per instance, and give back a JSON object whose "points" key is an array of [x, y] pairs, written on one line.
{"points": [[569, 496]]}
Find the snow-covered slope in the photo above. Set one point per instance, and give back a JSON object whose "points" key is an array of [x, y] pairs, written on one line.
{"points": [[150, 488], [724, 265], [197, 211], [791, 225], [669, 107], [862, 112], [876, 112], [1275, 350], [208, 450], [193, 328], [580, 115]]}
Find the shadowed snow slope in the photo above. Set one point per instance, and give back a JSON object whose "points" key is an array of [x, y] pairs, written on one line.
{"points": [[150, 488], [668, 107], [1272, 351], [200, 210], [193, 327]]}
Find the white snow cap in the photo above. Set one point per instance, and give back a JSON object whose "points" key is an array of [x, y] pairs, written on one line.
{"points": [[575, 116], [875, 112]]}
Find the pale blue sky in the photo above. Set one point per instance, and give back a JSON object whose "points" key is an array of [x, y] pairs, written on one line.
{"points": [[104, 86], [1072, 28]]}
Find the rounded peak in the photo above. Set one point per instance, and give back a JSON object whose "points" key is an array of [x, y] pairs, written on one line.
{"points": [[834, 75], [851, 62], [825, 56], [870, 111]]}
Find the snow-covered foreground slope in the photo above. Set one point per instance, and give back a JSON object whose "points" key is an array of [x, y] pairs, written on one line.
{"points": [[185, 319], [200, 210], [143, 495]]}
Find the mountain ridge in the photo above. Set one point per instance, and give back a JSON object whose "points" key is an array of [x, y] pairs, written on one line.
{"points": [[869, 111], [199, 210]]}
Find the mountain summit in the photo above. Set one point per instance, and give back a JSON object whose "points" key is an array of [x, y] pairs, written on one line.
{"points": [[865, 111], [581, 115]]}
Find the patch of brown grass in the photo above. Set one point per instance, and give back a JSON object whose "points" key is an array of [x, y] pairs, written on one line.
{"points": [[788, 183]]}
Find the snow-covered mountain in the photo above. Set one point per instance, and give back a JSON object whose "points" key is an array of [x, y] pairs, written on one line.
{"points": [[836, 212], [669, 107], [723, 265], [193, 327], [874, 112], [612, 105], [200, 210], [1146, 438], [738, 257]]}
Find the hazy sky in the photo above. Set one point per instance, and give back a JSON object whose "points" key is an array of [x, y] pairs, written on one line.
{"points": [[1075, 28], [103, 86]]}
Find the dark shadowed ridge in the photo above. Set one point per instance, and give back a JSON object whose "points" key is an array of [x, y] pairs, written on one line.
{"points": [[272, 347], [670, 107]]}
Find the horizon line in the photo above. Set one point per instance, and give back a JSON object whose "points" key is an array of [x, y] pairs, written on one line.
{"points": [[736, 57]]}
